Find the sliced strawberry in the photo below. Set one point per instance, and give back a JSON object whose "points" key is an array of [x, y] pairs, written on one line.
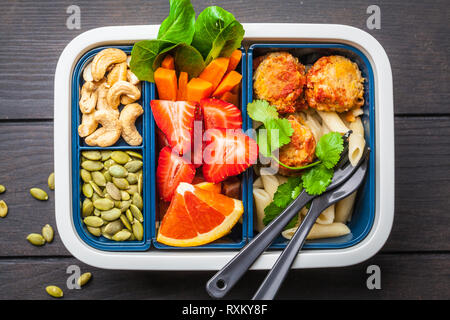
{"points": [[220, 114], [161, 138], [176, 120], [172, 169], [228, 153], [197, 139]]}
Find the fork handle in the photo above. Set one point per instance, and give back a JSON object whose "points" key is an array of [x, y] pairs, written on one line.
{"points": [[227, 277], [276, 276]]}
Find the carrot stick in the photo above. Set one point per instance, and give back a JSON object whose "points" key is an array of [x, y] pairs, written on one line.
{"points": [[231, 80], [166, 83], [182, 86]]}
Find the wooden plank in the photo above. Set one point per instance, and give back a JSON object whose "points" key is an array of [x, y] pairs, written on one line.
{"points": [[34, 33], [422, 186], [403, 276]]}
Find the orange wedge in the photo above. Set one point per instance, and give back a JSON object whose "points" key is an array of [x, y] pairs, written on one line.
{"points": [[216, 187], [196, 217]]}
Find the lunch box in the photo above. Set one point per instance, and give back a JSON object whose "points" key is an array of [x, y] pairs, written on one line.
{"points": [[372, 219]]}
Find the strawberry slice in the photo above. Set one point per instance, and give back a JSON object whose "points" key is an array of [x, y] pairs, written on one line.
{"points": [[228, 153], [220, 114], [197, 139], [176, 120], [172, 169]]}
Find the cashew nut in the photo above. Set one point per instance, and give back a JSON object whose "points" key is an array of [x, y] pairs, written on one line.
{"points": [[87, 73], [132, 78], [119, 72], [128, 61], [88, 98], [104, 59], [109, 133], [88, 124], [127, 120], [126, 99], [102, 103], [122, 88]]}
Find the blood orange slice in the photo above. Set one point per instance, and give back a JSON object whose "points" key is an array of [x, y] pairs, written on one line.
{"points": [[196, 217]]}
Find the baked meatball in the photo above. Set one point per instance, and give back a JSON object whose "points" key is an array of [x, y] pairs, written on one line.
{"points": [[334, 83], [280, 79], [300, 151]]}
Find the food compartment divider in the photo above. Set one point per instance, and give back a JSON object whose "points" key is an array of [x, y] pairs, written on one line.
{"points": [[364, 209], [240, 238], [144, 125]]}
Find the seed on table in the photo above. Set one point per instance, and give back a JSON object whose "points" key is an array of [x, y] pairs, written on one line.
{"points": [[51, 181], [36, 239], [48, 233], [3, 209], [84, 278], [54, 291], [39, 194], [2, 188]]}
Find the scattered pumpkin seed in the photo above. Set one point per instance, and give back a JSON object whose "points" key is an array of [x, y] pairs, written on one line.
{"points": [[138, 230], [54, 291], [87, 190], [91, 165], [39, 194], [2, 188], [133, 166], [51, 181], [111, 215], [120, 157], [36, 239], [92, 155], [84, 278], [122, 235], [121, 183], [48, 233], [93, 221], [95, 231], [3, 209], [85, 175], [136, 213], [99, 178], [103, 204]]}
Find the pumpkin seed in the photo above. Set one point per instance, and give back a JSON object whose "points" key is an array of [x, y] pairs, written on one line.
{"points": [[2, 188], [133, 165], [132, 189], [111, 215], [113, 227], [129, 215], [54, 291], [92, 155], [87, 208], [95, 197], [138, 230], [140, 181], [91, 165], [117, 204], [99, 178], [134, 154], [132, 237], [97, 213], [96, 188], [113, 191], [122, 235], [117, 171], [107, 236], [124, 205], [132, 178], [84, 278], [93, 221], [95, 231], [103, 204], [120, 157], [107, 176], [51, 181], [125, 195], [106, 154], [48, 233], [136, 213], [108, 163], [39, 194], [125, 222], [85, 175], [137, 201], [3, 209], [121, 183], [87, 190], [36, 239]]}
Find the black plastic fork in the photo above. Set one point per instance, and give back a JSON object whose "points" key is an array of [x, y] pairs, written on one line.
{"points": [[221, 283]]}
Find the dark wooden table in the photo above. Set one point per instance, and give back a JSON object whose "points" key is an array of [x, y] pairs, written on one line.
{"points": [[414, 262]]}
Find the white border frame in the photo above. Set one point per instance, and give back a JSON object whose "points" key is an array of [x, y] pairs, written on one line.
{"points": [[215, 260]]}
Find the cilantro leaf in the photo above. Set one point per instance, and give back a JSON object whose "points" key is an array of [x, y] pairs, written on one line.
{"points": [[317, 179], [261, 110], [279, 132], [272, 211], [284, 194], [329, 149]]}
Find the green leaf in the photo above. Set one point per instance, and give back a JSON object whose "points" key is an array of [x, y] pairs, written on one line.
{"points": [[271, 212], [143, 55], [279, 132], [317, 179], [261, 110], [189, 60], [329, 149], [292, 223], [228, 40], [179, 26], [263, 142], [284, 193]]}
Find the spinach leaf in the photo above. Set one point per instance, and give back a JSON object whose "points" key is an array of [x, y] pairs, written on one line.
{"points": [[228, 40], [179, 26], [189, 60]]}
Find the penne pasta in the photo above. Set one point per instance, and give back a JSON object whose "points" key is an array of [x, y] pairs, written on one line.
{"points": [[344, 208], [262, 200], [320, 231], [258, 183], [281, 179], [270, 183], [356, 142], [327, 216], [333, 121]]}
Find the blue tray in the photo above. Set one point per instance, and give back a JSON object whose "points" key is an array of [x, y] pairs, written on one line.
{"points": [[145, 126], [238, 236], [364, 212]]}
